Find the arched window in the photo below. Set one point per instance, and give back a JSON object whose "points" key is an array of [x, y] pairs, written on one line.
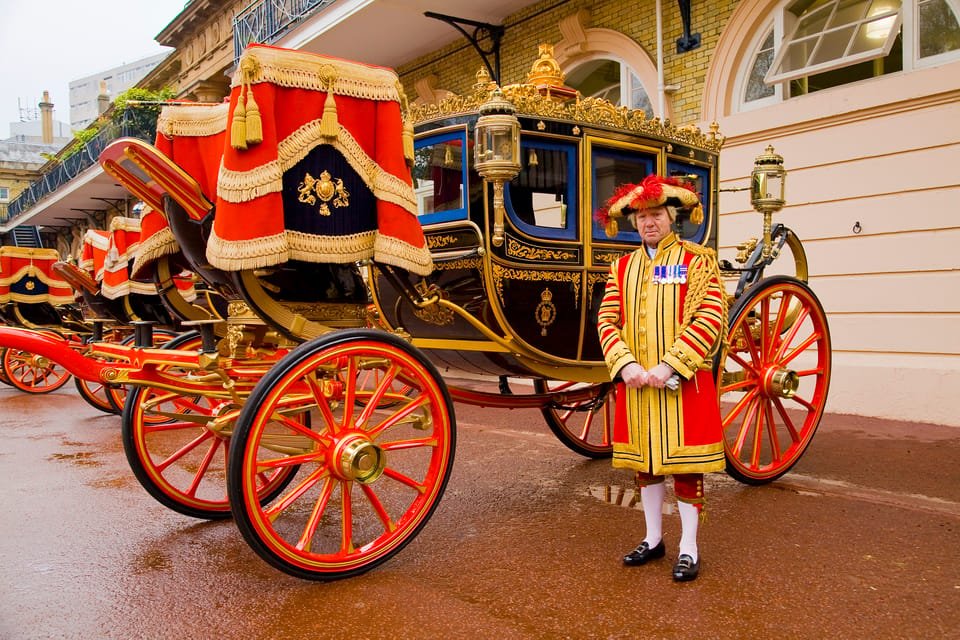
{"points": [[612, 80], [813, 45]]}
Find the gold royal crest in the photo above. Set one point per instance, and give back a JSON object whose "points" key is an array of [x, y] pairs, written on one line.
{"points": [[323, 189]]}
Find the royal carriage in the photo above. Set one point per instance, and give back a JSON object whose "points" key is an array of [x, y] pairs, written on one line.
{"points": [[311, 407]]}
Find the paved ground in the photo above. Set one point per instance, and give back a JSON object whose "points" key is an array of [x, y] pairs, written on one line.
{"points": [[859, 541]]}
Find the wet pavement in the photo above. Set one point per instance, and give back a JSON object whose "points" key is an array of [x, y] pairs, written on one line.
{"points": [[860, 540]]}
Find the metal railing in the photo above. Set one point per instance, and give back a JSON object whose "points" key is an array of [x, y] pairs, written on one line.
{"points": [[140, 124], [3, 212], [264, 22]]}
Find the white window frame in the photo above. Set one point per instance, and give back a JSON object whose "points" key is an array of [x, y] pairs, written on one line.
{"points": [[4, 194], [776, 74], [627, 75], [911, 37]]}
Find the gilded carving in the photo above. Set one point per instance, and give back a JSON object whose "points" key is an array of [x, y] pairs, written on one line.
{"points": [[503, 273], [517, 250], [325, 189], [438, 242], [589, 111], [546, 311], [608, 257], [460, 263]]}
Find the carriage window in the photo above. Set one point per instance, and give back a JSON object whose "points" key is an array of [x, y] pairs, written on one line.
{"points": [[612, 168], [439, 174], [699, 178], [542, 200]]}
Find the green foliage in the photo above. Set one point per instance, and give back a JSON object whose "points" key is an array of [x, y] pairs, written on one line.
{"points": [[140, 117]]}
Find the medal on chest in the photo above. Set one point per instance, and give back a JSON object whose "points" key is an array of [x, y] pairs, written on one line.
{"points": [[669, 274]]}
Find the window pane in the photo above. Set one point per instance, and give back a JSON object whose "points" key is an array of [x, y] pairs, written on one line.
{"points": [[756, 87], [797, 55], [833, 45], [612, 168], [848, 12], [873, 34], [597, 79], [938, 28], [540, 196], [638, 96], [813, 23], [438, 177]]}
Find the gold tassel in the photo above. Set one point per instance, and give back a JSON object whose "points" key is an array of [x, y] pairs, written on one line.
{"points": [[238, 126], [612, 229], [254, 123], [408, 142], [328, 124], [696, 215]]}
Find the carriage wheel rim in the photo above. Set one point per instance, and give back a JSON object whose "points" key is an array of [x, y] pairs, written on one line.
{"points": [[771, 384], [346, 472]]}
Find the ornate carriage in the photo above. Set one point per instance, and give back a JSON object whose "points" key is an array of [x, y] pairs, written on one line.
{"points": [[316, 397]]}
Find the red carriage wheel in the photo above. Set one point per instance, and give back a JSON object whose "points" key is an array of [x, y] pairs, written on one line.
{"points": [[775, 377], [33, 373], [175, 454], [4, 378], [116, 395], [100, 395], [373, 467], [585, 426]]}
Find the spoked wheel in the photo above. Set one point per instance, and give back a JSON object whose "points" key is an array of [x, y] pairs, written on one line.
{"points": [[373, 467], [102, 396], [775, 377], [175, 453], [4, 378], [33, 373], [585, 426]]}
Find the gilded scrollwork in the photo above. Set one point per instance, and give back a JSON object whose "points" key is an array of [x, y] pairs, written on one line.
{"points": [[608, 258], [438, 242], [518, 250], [587, 111], [504, 273], [461, 263]]}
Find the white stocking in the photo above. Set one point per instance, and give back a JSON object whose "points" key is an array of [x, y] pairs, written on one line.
{"points": [[651, 497], [689, 521]]}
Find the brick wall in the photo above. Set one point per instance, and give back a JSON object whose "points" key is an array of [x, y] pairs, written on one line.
{"points": [[455, 66]]}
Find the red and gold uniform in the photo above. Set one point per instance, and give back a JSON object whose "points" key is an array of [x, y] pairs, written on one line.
{"points": [[668, 308]]}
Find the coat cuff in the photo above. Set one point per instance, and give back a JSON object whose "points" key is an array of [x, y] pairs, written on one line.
{"points": [[683, 360]]}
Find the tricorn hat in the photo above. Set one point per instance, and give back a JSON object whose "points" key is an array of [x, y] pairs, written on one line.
{"points": [[653, 191]]}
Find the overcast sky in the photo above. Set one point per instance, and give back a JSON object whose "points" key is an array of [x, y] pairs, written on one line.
{"points": [[46, 44]]}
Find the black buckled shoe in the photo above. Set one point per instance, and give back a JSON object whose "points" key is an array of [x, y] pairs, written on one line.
{"points": [[644, 554], [686, 569]]}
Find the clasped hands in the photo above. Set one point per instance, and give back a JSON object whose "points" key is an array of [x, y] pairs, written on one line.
{"points": [[635, 376]]}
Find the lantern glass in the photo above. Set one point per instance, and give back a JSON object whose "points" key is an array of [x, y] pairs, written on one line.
{"points": [[497, 142]]}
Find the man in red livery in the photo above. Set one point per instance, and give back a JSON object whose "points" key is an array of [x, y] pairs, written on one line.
{"points": [[661, 320]]}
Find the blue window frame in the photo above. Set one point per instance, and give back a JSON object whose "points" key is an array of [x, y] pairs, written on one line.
{"points": [[440, 176], [610, 169], [685, 228], [542, 200]]}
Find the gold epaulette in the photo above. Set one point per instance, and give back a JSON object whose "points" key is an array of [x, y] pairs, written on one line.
{"points": [[698, 249]]}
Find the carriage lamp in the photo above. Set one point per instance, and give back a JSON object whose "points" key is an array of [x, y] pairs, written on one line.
{"points": [[767, 183], [497, 152]]}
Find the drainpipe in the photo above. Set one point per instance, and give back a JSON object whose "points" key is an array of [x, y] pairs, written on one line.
{"points": [[661, 89]]}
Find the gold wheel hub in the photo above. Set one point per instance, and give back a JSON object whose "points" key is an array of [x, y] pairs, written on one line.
{"points": [[356, 457], [780, 382]]}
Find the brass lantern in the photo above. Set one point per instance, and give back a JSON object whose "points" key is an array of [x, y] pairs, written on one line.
{"points": [[768, 179], [496, 152], [767, 184]]}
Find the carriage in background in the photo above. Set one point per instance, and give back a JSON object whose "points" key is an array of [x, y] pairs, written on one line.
{"points": [[313, 410]]}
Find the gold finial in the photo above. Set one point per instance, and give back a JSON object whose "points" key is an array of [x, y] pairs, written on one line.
{"points": [[483, 82], [545, 69]]}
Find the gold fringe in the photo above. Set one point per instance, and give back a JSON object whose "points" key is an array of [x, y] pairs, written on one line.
{"points": [[33, 272], [390, 250], [236, 255], [162, 243], [301, 70], [27, 252], [329, 127], [243, 186], [193, 120], [52, 299]]}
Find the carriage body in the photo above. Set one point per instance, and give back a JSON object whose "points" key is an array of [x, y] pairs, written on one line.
{"points": [[526, 304]]}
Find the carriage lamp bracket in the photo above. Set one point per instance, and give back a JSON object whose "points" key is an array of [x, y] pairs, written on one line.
{"points": [[481, 30]]}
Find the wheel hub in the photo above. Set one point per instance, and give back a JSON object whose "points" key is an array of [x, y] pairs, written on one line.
{"points": [[781, 382], [356, 457]]}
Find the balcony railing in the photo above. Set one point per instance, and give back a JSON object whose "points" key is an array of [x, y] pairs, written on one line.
{"points": [[264, 22], [136, 123]]}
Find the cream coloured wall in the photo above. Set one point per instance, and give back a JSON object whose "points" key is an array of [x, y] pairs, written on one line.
{"points": [[881, 153]]}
